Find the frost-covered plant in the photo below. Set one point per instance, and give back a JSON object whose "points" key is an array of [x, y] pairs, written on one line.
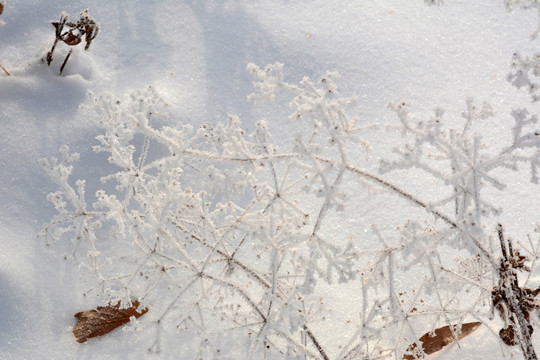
{"points": [[219, 219], [225, 235], [466, 164]]}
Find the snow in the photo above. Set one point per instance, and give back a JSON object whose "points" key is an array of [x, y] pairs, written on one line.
{"points": [[195, 54]]}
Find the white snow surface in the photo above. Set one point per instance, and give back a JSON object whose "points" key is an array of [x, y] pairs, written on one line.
{"points": [[195, 54]]}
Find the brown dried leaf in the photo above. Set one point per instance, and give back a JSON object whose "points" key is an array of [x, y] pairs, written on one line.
{"points": [[71, 39], [443, 337], [508, 335], [103, 320], [2, 4]]}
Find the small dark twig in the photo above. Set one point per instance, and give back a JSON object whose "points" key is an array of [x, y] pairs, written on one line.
{"points": [[501, 241], [3, 68], [315, 342], [65, 61], [59, 26]]}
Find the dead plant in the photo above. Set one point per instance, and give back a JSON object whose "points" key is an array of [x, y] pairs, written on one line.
{"points": [[514, 303], [72, 34]]}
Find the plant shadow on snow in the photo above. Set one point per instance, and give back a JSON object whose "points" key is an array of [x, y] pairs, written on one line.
{"points": [[232, 38], [35, 100]]}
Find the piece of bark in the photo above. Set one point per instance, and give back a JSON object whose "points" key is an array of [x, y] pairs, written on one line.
{"points": [[443, 337], [103, 320]]}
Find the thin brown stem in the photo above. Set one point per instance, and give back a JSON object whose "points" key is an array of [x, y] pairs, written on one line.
{"points": [[3, 68], [315, 342], [420, 203], [65, 61], [250, 272]]}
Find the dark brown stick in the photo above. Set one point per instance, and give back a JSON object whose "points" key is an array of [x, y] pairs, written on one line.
{"points": [[3, 68], [65, 61]]}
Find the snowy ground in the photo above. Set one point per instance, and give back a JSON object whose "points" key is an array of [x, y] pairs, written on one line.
{"points": [[195, 54]]}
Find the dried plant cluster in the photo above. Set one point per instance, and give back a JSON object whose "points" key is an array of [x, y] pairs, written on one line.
{"points": [[515, 304], [226, 234], [73, 34]]}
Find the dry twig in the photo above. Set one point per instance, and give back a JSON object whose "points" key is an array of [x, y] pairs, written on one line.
{"points": [[3, 68]]}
